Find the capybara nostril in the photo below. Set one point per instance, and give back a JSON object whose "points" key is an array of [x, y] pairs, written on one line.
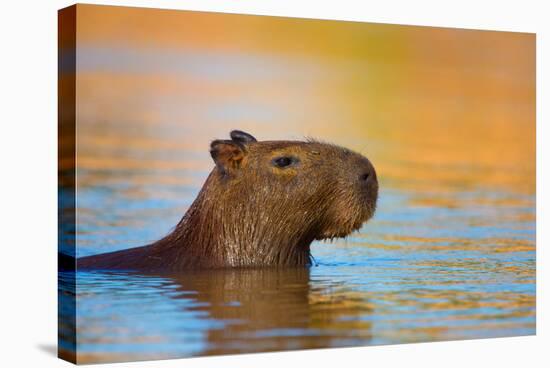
{"points": [[364, 176]]}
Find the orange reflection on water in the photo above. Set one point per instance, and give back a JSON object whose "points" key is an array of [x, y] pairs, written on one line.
{"points": [[432, 107]]}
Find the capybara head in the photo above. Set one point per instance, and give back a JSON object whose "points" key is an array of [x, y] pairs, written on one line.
{"points": [[329, 189], [265, 202]]}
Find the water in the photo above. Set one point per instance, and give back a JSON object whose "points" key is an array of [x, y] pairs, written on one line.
{"points": [[415, 273], [450, 253]]}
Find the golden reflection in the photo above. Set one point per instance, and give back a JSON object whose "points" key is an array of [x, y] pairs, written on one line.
{"points": [[262, 310], [410, 244], [432, 107]]}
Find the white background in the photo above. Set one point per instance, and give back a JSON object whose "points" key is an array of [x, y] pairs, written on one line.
{"points": [[28, 181]]}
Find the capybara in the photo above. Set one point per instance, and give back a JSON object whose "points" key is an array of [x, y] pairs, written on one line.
{"points": [[262, 205]]}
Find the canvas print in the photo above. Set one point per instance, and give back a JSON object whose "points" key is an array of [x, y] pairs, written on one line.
{"points": [[236, 184]]}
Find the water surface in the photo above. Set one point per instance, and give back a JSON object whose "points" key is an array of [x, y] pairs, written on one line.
{"points": [[415, 273]]}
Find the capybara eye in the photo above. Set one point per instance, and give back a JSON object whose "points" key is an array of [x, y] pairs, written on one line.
{"points": [[284, 161]]}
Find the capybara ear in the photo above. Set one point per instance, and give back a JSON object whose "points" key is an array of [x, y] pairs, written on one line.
{"points": [[242, 137], [228, 155]]}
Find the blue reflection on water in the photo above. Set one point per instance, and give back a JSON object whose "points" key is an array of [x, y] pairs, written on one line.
{"points": [[415, 273]]}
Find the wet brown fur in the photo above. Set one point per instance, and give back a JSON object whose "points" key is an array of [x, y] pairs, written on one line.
{"points": [[252, 213]]}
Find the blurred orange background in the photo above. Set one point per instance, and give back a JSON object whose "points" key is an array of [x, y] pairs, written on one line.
{"points": [[435, 109]]}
